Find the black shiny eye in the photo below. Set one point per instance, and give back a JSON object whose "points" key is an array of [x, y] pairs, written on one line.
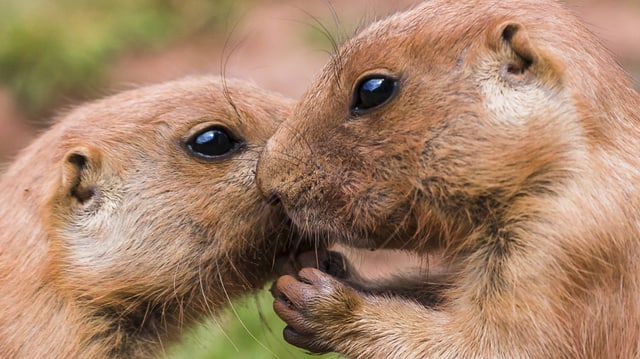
{"points": [[212, 142], [372, 92]]}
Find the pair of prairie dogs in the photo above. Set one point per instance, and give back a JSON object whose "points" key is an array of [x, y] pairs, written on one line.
{"points": [[498, 135]]}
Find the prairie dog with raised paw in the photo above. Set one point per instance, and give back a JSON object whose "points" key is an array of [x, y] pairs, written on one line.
{"points": [[501, 134]]}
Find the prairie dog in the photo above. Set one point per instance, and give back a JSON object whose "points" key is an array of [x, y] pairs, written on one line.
{"points": [[501, 134], [133, 216]]}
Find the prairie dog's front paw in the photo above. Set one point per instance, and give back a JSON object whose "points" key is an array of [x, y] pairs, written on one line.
{"points": [[316, 308]]}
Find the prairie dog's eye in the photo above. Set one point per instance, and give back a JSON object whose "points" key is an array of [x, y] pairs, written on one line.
{"points": [[212, 142], [372, 92]]}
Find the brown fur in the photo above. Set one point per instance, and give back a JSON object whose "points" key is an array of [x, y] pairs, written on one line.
{"points": [[511, 146], [114, 236]]}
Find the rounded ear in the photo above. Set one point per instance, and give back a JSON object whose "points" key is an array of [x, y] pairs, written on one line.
{"points": [[521, 59], [515, 37], [81, 168]]}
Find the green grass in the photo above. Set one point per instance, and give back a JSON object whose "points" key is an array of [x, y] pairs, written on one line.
{"points": [[254, 333], [50, 50]]}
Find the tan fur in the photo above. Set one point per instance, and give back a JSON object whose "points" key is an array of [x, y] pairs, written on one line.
{"points": [[114, 236], [511, 146]]}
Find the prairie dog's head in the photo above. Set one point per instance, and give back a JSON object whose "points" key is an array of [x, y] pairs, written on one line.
{"points": [[440, 120], [155, 200]]}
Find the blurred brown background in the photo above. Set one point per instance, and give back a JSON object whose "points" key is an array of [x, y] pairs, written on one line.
{"points": [[54, 55]]}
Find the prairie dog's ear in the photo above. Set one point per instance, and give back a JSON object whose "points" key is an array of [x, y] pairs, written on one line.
{"points": [[81, 168], [521, 59]]}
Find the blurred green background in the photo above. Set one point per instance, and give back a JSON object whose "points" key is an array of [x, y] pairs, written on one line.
{"points": [[50, 50], [248, 330], [55, 54]]}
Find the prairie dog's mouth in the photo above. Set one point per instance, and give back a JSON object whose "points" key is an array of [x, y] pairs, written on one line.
{"points": [[327, 229], [301, 240]]}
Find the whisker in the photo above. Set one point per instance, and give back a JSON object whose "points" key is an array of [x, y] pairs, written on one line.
{"points": [[336, 56], [224, 61], [212, 316], [320, 27], [179, 299], [336, 23], [235, 312], [208, 308]]}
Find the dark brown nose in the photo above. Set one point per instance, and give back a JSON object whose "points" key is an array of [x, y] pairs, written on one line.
{"points": [[283, 166], [269, 173]]}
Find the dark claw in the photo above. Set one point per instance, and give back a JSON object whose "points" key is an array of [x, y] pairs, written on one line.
{"points": [[335, 265]]}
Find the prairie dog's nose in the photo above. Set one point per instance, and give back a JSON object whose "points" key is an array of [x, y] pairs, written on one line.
{"points": [[265, 174], [278, 167]]}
